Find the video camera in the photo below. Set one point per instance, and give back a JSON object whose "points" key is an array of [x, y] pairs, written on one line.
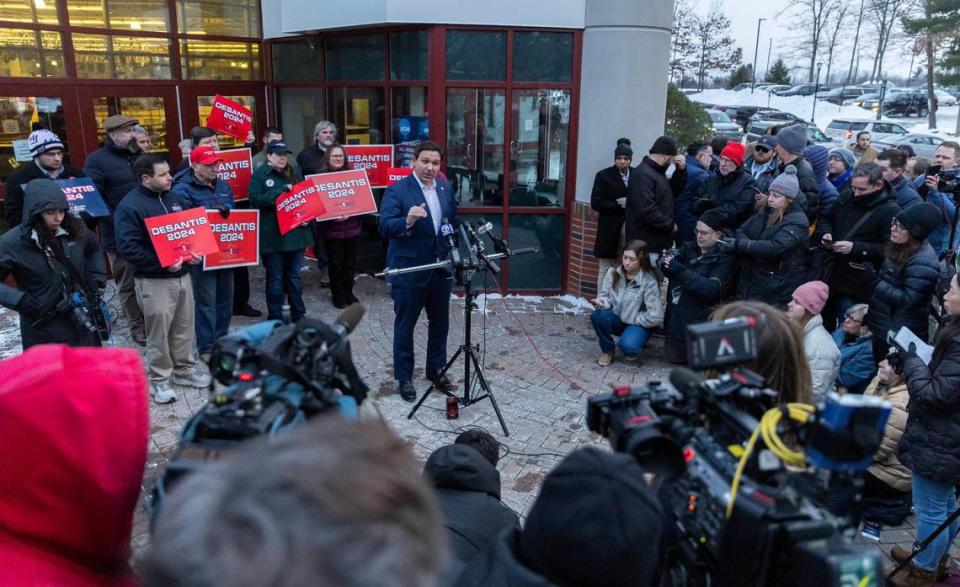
{"points": [[729, 471], [948, 180], [275, 376]]}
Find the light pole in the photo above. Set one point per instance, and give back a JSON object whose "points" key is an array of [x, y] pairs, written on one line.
{"points": [[756, 48], [816, 90]]}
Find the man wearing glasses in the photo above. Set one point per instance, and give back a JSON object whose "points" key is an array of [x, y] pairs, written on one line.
{"points": [[763, 164], [853, 234]]}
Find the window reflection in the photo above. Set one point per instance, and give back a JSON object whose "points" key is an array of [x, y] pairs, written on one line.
{"points": [[540, 56], [408, 55], [297, 61], [27, 53], [476, 55], [132, 15], [542, 270], [205, 104], [113, 56], [409, 123], [220, 60], [18, 114], [300, 110], [35, 11], [148, 110], [359, 115], [538, 147], [475, 123], [229, 18], [360, 57]]}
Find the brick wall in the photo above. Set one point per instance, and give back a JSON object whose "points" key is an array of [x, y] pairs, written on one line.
{"points": [[582, 266]]}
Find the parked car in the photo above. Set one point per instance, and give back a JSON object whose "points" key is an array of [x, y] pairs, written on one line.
{"points": [[746, 86], [944, 97], [723, 126], [838, 95], [762, 127], [741, 114], [798, 90], [776, 115], [900, 104], [923, 145], [844, 130], [776, 88]]}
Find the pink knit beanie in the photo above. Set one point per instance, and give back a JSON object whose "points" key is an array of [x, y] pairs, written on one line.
{"points": [[812, 296]]}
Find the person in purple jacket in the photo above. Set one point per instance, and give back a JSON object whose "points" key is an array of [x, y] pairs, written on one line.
{"points": [[342, 237]]}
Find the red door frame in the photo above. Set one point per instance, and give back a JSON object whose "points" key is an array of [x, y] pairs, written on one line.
{"points": [[190, 91]]}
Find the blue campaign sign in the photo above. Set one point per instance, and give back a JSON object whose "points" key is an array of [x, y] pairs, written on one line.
{"points": [[82, 196]]}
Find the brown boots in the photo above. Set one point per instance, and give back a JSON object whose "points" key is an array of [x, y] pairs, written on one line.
{"points": [[911, 576]]}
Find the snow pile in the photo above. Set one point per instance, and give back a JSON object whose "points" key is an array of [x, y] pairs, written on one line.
{"points": [[802, 106]]}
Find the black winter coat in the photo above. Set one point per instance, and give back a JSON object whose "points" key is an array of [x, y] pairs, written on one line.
{"points": [[734, 195], [133, 239], [48, 282], [697, 284], [309, 160], [930, 445], [501, 565], [111, 169], [901, 297], [853, 275], [650, 204], [607, 187], [13, 200], [468, 487], [772, 259]]}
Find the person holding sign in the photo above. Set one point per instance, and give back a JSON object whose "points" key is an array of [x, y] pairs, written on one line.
{"points": [[47, 151], [342, 236], [51, 255], [165, 293], [412, 213], [282, 254], [199, 187]]}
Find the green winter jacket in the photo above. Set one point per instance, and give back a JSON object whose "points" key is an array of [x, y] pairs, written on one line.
{"points": [[266, 185]]}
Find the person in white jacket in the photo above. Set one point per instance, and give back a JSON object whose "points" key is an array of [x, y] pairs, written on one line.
{"points": [[821, 351]]}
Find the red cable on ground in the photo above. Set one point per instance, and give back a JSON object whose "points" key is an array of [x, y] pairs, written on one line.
{"points": [[503, 300]]}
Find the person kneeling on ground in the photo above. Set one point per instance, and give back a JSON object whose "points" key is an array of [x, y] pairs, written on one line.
{"points": [[628, 305], [595, 522], [821, 352], [700, 276], [334, 502], [468, 485]]}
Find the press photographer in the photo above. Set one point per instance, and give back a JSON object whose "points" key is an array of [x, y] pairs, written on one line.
{"points": [[59, 272], [940, 188]]}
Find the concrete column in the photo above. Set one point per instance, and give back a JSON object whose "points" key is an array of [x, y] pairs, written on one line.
{"points": [[623, 93], [623, 81]]}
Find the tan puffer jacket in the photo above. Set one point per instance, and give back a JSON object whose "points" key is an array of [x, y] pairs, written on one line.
{"points": [[886, 466]]}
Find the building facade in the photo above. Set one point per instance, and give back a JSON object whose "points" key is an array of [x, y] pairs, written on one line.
{"points": [[528, 98]]}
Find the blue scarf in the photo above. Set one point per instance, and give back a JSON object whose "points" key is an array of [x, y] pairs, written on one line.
{"points": [[840, 179]]}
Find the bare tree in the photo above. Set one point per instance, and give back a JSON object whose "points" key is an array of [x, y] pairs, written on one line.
{"points": [[839, 22], [715, 49], [816, 15], [856, 44], [682, 47], [885, 15]]}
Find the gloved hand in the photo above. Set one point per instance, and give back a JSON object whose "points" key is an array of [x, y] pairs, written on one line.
{"points": [[701, 205], [29, 306], [224, 210], [888, 273], [727, 245], [897, 358]]}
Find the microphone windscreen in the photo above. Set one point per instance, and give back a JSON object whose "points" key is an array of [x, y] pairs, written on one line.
{"points": [[684, 380], [351, 316]]}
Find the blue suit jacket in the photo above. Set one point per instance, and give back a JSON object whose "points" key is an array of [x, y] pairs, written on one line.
{"points": [[419, 245]]}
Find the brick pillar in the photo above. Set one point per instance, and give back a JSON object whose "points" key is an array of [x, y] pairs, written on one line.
{"points": [[582, 268]]}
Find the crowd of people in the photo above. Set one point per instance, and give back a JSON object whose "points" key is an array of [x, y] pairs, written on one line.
{"points": [[836, 250]]}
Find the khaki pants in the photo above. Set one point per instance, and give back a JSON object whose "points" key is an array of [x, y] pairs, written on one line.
{"points": [[168, 317], [123, 275]]}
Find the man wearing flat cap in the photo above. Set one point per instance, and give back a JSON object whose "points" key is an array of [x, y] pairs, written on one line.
{"points": [[111, 169]]}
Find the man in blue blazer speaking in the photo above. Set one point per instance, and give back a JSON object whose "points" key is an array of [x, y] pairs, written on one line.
{"points": [[411, 216]]}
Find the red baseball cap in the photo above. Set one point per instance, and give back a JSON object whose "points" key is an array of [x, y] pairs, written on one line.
{"points": [[204, 155]]}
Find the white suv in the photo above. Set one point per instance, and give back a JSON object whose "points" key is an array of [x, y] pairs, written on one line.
{"points": [[844, 130]]}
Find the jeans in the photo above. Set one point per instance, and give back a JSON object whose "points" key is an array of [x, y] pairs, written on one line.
{"points": [[213, 298], [283, 283], [607, 325], [933, 502]]}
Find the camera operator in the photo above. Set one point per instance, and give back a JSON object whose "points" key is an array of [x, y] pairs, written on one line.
{"points": [[334, 502], [930, 446], [934, 190], [700, 276], [51, 255], [595, 522], [780, 357], [770, 247]]}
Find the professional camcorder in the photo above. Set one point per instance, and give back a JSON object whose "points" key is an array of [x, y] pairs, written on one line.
{"points": [[275, 375], [730, 472], [948, 180]]}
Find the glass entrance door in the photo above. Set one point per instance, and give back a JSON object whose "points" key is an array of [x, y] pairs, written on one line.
{"points": [[197, 100], [475, 134], [538, 147], [22, 110], [155, 109]]}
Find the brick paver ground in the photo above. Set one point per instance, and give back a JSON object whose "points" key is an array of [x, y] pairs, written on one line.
{"points": [[544, 406]]}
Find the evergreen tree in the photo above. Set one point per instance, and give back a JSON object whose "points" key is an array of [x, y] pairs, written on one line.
{"points": [[939, 23], [778, 74], [686, 121], [741, 75]]}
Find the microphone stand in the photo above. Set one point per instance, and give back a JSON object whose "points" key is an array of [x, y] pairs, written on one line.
{"points": [[463, 270]]}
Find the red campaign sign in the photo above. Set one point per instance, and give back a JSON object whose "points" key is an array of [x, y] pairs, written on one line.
{"points": [[395, 174], [301, 204], [176, 235], [238, 238], [230, 118], [236, 169], [344, 193], [376, 159]]}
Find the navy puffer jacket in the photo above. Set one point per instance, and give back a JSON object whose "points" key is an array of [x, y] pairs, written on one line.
{"points": [[902, 295]]}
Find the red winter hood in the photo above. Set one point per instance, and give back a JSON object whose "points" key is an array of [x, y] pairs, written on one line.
{"points": [[73, 444]]}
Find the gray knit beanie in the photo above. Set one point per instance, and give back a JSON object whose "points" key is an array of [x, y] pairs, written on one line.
{"points": [[793, 138], [845, 155], [786, 183]]}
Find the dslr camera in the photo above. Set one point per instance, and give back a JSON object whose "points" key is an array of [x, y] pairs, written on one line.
{"points": [[728, 470]]}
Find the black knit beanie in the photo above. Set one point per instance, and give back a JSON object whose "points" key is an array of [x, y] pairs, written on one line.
{"points": [[920, 219], [664, 146]]}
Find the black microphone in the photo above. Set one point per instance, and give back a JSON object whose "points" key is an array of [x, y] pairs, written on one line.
{"points": [[347, 321], [447, 230], [686, 381]]}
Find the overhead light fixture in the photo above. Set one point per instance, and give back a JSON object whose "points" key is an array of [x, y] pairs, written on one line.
{"points": [[40, 4], [54, 63], [135, 25]]}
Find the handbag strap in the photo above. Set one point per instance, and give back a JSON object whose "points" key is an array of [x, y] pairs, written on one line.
{"points": [[858, 224]]}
